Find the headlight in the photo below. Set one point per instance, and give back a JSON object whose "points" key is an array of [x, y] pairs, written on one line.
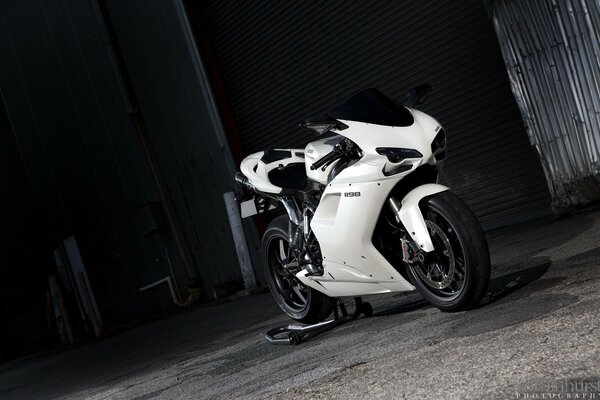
{"points": [[396, 155]]}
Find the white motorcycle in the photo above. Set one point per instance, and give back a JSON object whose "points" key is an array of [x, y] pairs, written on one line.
{"points": [[364, 213]]}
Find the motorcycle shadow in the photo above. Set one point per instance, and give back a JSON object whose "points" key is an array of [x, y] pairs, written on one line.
{"points": [[530, 272], [529, 275], [414, 303]]}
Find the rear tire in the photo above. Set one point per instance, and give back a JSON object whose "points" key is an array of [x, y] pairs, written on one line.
{"points": [[456, 275], [300, 302]]}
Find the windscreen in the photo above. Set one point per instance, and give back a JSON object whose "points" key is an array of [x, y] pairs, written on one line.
{"points": [[373, 107]]}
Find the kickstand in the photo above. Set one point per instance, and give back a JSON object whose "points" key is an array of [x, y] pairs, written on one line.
{"points": [[296, 334]]}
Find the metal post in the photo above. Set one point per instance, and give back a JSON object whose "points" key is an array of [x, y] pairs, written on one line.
{"points": [[239, 239]]}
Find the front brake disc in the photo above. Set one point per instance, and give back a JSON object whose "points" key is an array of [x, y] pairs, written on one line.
{"points": [[425, 269]]}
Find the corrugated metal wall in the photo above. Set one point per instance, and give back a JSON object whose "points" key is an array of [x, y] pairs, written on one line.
{"points": [[552, 53], [284, 61]]}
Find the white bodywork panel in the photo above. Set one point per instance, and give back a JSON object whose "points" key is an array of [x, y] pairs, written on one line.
{"points": [[344, 228], [257, 171], [345, 218]]}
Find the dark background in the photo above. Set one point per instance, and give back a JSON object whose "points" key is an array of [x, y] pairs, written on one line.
{"points": [[114, 109]]}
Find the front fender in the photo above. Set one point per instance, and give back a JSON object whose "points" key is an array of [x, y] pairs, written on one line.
{"points": [[411, 216]]}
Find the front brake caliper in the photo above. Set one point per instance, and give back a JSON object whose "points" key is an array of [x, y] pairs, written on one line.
{"points": [[408, 253]]}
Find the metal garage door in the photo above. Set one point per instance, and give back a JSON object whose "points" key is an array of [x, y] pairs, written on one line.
{"points": [[283, 61]]}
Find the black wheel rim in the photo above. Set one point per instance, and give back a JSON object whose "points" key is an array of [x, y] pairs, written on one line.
{"points": [[444, 272], [282, 270]]}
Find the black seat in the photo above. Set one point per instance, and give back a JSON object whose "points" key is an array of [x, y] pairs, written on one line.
{"points": [[275, 155], [291, 176]]}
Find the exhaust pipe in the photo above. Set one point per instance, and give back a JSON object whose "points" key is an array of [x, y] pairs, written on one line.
{"points": [[243, 181]]}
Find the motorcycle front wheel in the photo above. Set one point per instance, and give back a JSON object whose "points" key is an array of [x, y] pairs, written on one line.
{"points": [[455, 276], [297, 300]]}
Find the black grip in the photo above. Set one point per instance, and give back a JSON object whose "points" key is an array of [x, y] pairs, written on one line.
{"points": [[326, 158]]}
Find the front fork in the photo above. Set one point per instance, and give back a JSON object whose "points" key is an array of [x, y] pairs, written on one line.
{"points": [[410, 251]]}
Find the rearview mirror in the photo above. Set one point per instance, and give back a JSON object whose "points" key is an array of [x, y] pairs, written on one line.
{"points": [[417, 95]]}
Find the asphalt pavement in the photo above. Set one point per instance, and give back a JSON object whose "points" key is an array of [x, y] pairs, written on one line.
{"points": [[535, 335]]}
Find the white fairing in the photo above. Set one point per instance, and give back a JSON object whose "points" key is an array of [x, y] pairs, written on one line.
{"points": [[345, 218], [257, 171], [344, 221]]}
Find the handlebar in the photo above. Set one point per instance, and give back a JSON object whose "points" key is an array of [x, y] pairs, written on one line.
{"points": [[327, 158]]}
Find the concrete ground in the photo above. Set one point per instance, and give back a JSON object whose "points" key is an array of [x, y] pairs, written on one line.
{"points": [[535, 333]]}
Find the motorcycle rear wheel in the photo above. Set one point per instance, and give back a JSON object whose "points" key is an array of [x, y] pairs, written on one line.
{"points": [[297, 300], [455, 276]]}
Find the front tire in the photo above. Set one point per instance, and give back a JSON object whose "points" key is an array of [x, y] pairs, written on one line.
{"points": [[300, 302], [455, 276]]}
